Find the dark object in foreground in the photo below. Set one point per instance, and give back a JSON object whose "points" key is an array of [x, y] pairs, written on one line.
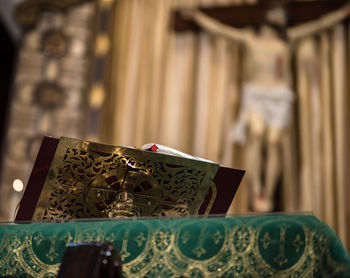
{"points": [[90, 260]]}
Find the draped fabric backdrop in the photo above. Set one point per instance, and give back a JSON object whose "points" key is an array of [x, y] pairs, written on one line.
{"points": [[183, 90], [323, 125]]}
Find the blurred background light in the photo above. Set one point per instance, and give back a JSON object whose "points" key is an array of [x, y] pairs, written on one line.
{"points": [[17, 185]]}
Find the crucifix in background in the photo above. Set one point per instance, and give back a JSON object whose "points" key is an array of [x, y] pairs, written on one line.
{"points": [[267, 94]]}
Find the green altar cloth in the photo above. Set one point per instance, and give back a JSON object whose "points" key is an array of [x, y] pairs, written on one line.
{"points": [[251, 246]]}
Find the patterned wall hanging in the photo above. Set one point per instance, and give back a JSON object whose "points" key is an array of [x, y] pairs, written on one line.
{"points": [[51, 86]]}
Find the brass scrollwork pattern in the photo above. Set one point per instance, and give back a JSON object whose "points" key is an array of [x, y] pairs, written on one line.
{"points": [[85, 178]]}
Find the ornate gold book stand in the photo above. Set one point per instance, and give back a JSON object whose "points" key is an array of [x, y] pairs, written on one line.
{"points": [[91, 180]]}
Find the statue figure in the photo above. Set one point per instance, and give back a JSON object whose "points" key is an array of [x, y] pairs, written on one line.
{"points": [[267, 94]]}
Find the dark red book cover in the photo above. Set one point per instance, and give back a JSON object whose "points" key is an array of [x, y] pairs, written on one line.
{"points": [[227, 181], [37, 178]]}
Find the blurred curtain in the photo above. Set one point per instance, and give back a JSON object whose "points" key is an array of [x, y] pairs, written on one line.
{"points": [[323, 122], [176, 89], [182, 90]]}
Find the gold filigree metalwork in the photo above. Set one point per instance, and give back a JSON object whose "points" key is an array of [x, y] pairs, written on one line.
{"points": [[91, 180]]}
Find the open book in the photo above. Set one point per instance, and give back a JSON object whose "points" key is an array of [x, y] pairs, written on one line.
{"points": [[80, 179]]}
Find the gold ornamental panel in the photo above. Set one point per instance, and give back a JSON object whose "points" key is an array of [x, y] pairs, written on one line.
{"points": [[88, 180]]}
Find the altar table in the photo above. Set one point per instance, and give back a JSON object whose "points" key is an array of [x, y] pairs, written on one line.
{"points": [[245, 246]]}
